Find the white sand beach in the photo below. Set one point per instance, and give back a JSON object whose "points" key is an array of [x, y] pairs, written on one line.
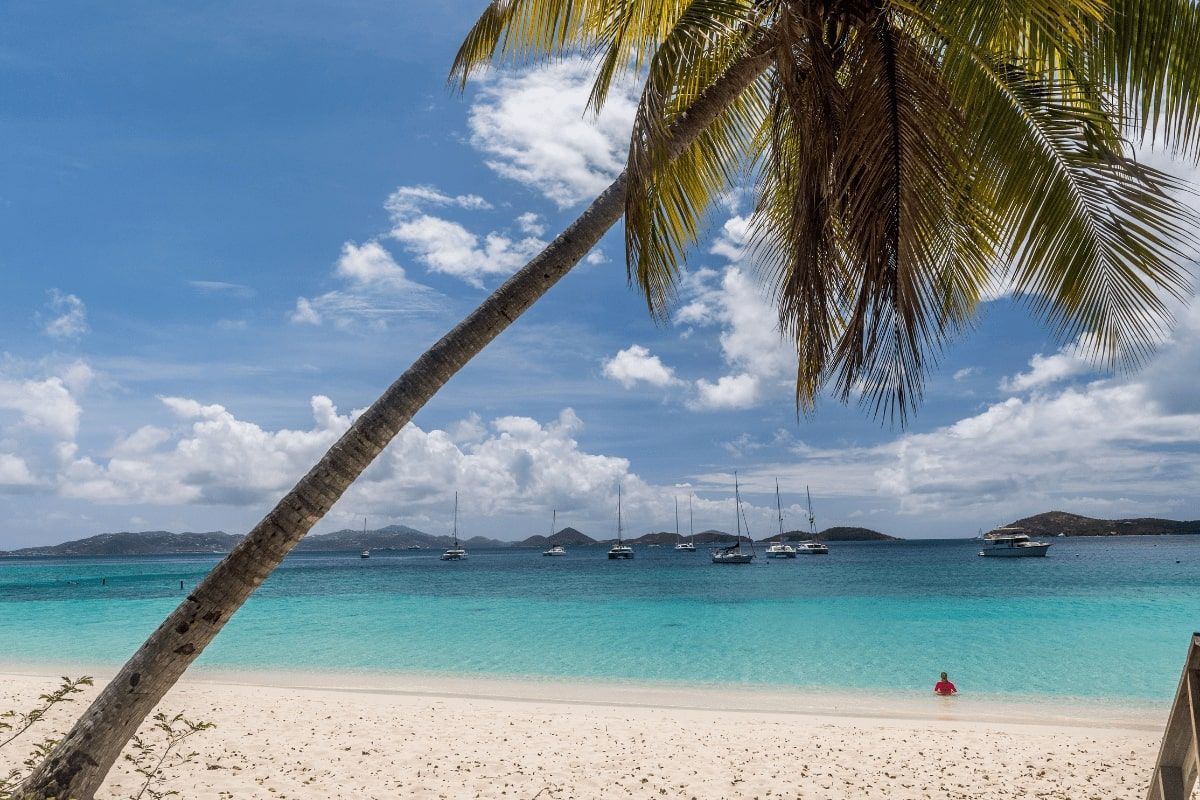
{"points": [[307, 736]]}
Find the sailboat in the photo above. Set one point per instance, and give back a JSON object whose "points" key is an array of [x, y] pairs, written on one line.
{"points": [[779, 548], [366, 553], [455, 553], [620, 549], [558, 549], [812, 547], [734, 553], [690, 545]]}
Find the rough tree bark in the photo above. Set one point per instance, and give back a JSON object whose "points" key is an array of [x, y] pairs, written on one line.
{"points": [[76, 767]]}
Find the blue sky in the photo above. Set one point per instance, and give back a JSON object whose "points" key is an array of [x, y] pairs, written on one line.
{"points": [[223, 231]]}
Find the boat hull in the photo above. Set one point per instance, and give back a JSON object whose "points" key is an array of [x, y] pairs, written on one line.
{"points": [[732, 558], [1030, 551], [791, 554], [619, 555]]}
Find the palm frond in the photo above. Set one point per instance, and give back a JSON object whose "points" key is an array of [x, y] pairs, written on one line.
{"points": [[523, 29], [1148, 52], [794, 239], [1095, 241], [669, 189], [917, 238]]}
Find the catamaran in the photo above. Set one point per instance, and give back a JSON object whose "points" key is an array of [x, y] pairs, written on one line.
{"points": [[812, 547], [779, 548], [455, 553], [734, 553], [558, 549], [620, 549], [690, 545]]}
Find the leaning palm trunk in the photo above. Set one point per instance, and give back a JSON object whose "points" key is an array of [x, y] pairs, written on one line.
{"points": [[79, 763]]}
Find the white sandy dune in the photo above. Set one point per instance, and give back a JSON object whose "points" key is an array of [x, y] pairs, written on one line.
{"points": [[295, 736]]}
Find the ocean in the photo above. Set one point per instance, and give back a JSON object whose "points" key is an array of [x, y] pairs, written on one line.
{"points": [[1105, 618]]}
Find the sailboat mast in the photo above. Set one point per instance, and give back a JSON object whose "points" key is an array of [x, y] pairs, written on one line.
{"points": [[737, 510], [779, 509], [553, 521], [676, 517], [456, 520], [691, 522], [812, 521], [619, 539]]}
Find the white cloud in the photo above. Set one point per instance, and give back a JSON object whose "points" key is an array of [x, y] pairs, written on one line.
{"points": [[222, 287], [305, 313], [635, 365], [1045, 370], [448, 247], [531, 223], [751, 347], [69, 320], [212, 458], [729, 392], [45, 406], [376, 289], [533, 127], [15, 472], [408, 200], [371, 265], [1120, 446], [964, 373], [511, 465]]}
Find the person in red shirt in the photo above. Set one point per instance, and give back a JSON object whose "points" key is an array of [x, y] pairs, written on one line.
{"points": [[944, 687]]}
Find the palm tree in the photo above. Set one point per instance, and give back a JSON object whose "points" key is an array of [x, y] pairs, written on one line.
{"points": [[904, 154]]}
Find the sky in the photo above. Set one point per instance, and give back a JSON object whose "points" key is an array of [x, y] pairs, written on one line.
{"points": [[224, 231]]}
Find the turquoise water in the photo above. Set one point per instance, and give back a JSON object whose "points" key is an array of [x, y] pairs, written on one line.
{"points": [[1098, 618]]}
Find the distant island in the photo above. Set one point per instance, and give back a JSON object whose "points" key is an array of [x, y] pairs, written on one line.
{"points": [[1052, 523], [392, 537], [402, 537]]}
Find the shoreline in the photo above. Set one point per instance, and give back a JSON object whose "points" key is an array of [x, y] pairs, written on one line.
{"points": [[314, 736], [770, 699]]}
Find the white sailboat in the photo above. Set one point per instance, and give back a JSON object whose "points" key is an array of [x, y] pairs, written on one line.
{"points": [[690, 545], [366, 553], [457, 552], [558, 549], [779, 548], [812, 547], [734, 553], [620, 549]]}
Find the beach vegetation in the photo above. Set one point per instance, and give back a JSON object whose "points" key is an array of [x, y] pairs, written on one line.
{"points": [[14, 724], [905, 159], [152, 758]]}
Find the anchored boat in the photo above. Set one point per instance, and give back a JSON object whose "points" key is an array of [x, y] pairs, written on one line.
{"points": [[779, 548], [690, 545], [620, 549], [812, 547], [1008, 543], [558, 549], [457, 552], [734, 553]]}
